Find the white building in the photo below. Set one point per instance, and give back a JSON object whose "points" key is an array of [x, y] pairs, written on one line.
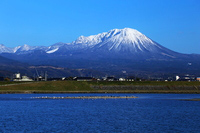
{"points": [[23, 78], [17, 76], [177, 78], [122, 79]]}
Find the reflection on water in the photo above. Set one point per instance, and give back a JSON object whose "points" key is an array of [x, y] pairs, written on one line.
{"points": [[148, 113]]}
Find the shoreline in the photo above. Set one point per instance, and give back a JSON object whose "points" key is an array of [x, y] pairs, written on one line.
{"points": [[194, 99], [88, 92]]}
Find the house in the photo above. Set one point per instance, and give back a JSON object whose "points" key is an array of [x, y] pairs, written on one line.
{"points": [[198, 78], [177, 78], [122, 79], [186, 77], [18, 77], [130, 79]]}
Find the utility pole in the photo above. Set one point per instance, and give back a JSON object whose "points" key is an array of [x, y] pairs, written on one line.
{"points": [[37, 74], [45, 76]]}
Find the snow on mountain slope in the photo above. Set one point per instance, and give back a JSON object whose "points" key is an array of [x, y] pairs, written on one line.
{"points": [[28, 49], [16, 48], [127, 40], [89, 41], [120, 40], [59, 48], [4, 49], [52, 51], [25, 47], [127, 36], [55, 46]]}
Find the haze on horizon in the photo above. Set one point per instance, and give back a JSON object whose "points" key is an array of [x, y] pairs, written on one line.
{"points": [[173, 24]]}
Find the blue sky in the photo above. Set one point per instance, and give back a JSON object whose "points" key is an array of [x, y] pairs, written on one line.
{"points": [[174, 24]]}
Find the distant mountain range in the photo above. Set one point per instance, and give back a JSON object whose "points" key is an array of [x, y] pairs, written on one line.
{"points": [[116, 52], [8, 67]]}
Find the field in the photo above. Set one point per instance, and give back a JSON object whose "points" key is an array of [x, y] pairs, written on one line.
{"points": [[100, 87]]}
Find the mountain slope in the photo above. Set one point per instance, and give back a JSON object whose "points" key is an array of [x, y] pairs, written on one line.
{"points": [[123, 43], [116, 43], [8, 67], [119, 40], [4, 49], [111, 52]]}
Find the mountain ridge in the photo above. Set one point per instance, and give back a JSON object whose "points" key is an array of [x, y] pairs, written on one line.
{"points": [[110, 52], [127, 39], [116, 39]]}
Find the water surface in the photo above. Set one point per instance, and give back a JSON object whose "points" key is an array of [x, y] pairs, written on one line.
{"points": [[148, 113]]}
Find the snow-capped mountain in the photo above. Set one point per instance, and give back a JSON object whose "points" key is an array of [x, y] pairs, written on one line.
{"points": [[89, 41], [120, 40], [55, 47], [114, 51], [123, 43], [25, 49], [21, 49], [127, 40], [4, 49]]}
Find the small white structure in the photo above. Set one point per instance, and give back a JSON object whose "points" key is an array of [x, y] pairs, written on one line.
{"points": [[122, 79], [130, 79], [17, 76], [177, 78], [23, 78]]}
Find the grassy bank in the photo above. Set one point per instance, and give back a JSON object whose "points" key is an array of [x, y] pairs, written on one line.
{"points": [[100, 87], [42, 87], [156, 83], [9, 82]]}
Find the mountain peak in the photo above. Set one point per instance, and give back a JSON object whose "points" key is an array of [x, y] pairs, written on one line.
{"points": [[25, 47], [129, 34], [126, 39], [125, 31], [4, 49]]}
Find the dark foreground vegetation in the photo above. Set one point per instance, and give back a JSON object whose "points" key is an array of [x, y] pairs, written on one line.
{"points": [[100, 87]]}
